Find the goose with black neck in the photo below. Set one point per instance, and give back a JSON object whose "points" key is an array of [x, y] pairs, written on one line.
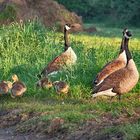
{"points": [[116, 64], [121, 81]]}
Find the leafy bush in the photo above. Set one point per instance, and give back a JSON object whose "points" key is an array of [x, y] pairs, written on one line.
{"points": [[114, 11], [8, 13]]}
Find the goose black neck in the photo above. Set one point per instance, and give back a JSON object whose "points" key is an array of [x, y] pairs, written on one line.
{"points": [[128, 54], [66, 40], [124, 43]]}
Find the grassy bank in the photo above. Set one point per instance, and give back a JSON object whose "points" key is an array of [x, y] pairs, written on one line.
{"points": [[26, 49]]}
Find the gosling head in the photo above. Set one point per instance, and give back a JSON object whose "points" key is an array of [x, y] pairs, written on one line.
{"points": [[15, 78], [9, 83]]}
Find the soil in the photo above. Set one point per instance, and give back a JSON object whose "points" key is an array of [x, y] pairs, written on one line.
{"points": [[11, 127], [49, 12]]}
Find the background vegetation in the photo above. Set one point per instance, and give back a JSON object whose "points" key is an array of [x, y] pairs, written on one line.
{"points": [[116, 12]]}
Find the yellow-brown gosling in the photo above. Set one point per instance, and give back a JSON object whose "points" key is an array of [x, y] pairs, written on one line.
{"points": [[61, 87], [121, 81], [5, 87], [18, 87], [44, 83], [118, 63]]}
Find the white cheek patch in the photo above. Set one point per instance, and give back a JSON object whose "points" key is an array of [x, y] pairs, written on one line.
{"points": [[67, 27], [127, 36], [126, 30]]}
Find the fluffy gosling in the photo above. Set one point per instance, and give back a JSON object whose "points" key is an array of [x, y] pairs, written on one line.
{"points": [[5, 86], [61, 87], [44, 83], [18, 87]]}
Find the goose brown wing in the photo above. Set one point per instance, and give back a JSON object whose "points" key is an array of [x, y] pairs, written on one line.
{"points": [[56, 64], [112, 81], [108, 69]]}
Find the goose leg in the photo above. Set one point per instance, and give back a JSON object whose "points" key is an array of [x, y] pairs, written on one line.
{"points": [[119, 97], [111, 98]]}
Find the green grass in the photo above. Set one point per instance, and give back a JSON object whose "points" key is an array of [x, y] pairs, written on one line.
{"points": [[26, 48], [112, 31]]}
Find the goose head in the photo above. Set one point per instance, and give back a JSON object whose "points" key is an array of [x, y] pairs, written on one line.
{"points": [[127, 33], [67, 27]]}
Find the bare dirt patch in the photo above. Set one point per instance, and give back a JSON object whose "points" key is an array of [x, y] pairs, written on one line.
{"points": [[13, 124]]}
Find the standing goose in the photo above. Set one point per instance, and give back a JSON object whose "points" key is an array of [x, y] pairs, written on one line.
{"points": [[121, 81], [67, 58], [118, 63], [18, 87]]}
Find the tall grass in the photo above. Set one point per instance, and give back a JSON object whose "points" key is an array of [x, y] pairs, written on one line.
{"points": [[26, 48]]}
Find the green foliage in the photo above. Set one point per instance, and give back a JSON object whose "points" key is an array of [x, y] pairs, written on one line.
{"points": [[116, 12], [8, 13]]}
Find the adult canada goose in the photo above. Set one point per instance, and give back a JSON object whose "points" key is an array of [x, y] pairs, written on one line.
{"points": [[61, 87], [121, 81], [18, 87], [118, 63], [5, 86], [44, 83], [67, 58]]}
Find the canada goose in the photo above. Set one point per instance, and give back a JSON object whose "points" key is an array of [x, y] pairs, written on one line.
{"points": [[5, 86], [121, 81], [61, 87], [18, 87], [118, 63], [67, 58], [44, 83]]}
